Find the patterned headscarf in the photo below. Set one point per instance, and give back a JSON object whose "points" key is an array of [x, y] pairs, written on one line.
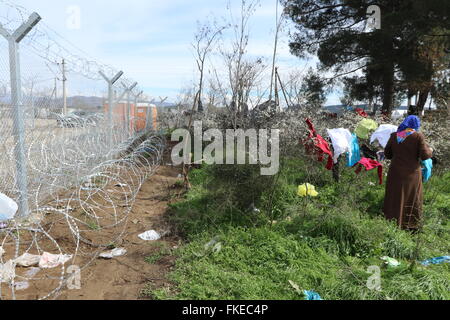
{"points": [[407, 128]]}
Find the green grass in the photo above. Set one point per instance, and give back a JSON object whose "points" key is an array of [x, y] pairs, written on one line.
{"points": [[155, 257], [161, 250], [92, 225], [324, 244]]}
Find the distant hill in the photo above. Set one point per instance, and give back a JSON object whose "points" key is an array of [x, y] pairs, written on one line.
{"points": [[84, 102], [76, 102], [163, 105]]}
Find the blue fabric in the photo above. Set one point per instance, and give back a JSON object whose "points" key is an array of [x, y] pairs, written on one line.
{"points": [[356, 154], [311, 295], [427, 168], [437, 260], [411, 122]]}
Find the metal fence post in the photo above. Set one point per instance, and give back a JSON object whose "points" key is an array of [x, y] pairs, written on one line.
{"points": [[149, 125], [136, 99], [110, 104], [128, 90], [18, 109], [127, 120]]}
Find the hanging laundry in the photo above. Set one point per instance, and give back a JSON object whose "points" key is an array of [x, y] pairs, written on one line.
{"points": [[361, 112], [341, 139], [427, 168], [365, 127], [354, 156], [370, 164], [383, 134], [318, 146]]}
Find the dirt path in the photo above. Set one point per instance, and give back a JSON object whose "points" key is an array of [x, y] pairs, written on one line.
{"points": [[124, 278]]}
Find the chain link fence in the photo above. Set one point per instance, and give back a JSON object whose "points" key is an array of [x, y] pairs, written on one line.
{"points": [[77, 144]]}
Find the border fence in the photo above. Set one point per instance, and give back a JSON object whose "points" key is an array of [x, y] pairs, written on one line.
{"points": [[77, 144]]}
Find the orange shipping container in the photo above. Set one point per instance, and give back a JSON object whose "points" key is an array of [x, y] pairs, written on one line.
{"points": [[139, 115]]}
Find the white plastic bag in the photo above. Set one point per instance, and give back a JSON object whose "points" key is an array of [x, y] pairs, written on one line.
{"points": [[7, 272], [49, 261], [151, 235], [28, 260], [113, 253], [8, 207]]}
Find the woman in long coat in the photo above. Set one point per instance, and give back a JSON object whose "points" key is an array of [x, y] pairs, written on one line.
{"points": [[404, 190]]}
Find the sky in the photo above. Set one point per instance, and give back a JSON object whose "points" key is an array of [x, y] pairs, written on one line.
{"points": [[150, 40]]}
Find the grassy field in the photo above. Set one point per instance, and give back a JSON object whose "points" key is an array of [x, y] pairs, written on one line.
{"points": [[290, 244]]}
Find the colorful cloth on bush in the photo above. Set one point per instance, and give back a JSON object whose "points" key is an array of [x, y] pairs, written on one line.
{"points": [[402, 135], [383, 134], [411, 122], [365, 127], [354, 156], [311, 295], [370, 164], [427, 169], [361, 112], [341, 140], [307, 190], [318, 146], [438, 260]]}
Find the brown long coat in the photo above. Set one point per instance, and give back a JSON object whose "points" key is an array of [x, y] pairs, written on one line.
{"points": [[404, 190]]}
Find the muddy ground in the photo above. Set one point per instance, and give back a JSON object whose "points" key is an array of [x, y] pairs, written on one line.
{"points": [[124, 278]]}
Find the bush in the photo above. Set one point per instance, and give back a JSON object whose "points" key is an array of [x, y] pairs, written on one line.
{"points": [[324, 244]]}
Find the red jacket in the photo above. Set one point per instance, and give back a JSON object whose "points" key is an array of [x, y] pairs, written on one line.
{"points": [[370, 164], [318, 146]]}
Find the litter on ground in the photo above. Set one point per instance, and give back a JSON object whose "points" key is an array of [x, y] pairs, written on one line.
{"points": [[8, 207], [113, 253], [32, 272], [307, 190], [7, 272], [437, 260], [121, 185], [23, 285], [27, 260], [151, 235], [295, 286], [391, 262], [49, 261], [311, 295]]}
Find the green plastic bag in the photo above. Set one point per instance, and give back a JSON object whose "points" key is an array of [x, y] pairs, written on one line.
{"points": [[365, 127]]}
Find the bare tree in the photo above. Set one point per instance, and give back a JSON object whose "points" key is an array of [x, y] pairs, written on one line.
{"points": [[205, 38], [278, 26], [242, 72]]}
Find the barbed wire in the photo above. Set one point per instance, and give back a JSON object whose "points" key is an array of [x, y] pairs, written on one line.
{"points": [[82, 182]]}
